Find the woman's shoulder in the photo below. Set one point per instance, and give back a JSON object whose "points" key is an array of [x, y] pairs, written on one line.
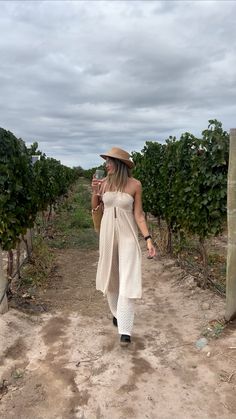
{"points": [[135, 182], [134, 185]]}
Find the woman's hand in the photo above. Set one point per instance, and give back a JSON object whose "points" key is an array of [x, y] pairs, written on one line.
{"points": [[96, 183], [151, 249]]}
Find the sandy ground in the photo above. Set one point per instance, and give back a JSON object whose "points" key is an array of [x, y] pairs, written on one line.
{"points": [[62, 359]]}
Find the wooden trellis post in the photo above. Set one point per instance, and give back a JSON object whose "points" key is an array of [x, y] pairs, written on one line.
{"points": [[3, 284], [231, 211]]}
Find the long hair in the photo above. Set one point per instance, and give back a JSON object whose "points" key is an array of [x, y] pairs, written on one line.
{"points": [[117, 181]]}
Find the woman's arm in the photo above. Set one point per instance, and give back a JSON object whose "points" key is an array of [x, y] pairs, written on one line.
{"points": [[95, 199], [140, 219], [97, 186]]}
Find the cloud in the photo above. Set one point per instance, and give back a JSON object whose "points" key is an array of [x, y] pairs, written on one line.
{"points": [[79, 79]]}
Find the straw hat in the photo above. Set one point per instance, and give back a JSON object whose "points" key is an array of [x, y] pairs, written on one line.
{"points": [[118, 153]]}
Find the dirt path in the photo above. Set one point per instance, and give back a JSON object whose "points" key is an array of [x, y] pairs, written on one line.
{"points": [[66, 363]]}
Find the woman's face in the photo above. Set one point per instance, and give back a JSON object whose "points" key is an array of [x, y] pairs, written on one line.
{"points": [[110, 166]]}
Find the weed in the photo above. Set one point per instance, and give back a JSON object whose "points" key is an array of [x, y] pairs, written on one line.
{"points": [[40, 265], [214, 328]]}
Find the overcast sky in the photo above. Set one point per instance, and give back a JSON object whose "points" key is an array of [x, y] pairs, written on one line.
{"points": [[82, 76]]}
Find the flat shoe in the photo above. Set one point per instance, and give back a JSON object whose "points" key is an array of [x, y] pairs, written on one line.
{"points": [[114, 320], [125, 340]]}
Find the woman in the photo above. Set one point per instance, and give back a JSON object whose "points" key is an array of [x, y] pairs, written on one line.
{"points": [[119, 266]]}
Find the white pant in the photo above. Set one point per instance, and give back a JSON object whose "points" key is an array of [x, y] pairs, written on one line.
{"points": [[123, 309]]}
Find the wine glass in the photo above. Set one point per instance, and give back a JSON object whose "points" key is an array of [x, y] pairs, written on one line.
{"points": [[99, 174]]}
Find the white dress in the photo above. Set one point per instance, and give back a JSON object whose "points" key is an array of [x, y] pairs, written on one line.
{"points": [[119, 262]]}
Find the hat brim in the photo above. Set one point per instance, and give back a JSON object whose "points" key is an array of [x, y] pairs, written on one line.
{"points": [[128, 163]]}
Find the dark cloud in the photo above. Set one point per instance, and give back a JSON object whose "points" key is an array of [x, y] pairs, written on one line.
{"points": [[79, 79]]}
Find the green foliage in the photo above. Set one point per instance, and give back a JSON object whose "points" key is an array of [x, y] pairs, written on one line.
{"points": [[79, 171], [185, 181], [88, 173], [52, 180], [147, 169], [26, 188], [205, 206], [17, 206]]}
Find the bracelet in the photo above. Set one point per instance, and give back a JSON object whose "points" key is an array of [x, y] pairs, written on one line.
{"points": [[147, 237], [95, 209]]}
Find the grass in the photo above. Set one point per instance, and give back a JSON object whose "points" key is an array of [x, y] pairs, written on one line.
{"points": [[36, 271], [72, 225]]}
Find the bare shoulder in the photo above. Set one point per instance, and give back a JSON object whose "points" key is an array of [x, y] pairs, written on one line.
{"points": [[134, 186], [135, 183]]}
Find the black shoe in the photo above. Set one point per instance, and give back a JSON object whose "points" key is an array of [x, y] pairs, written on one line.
{"points": [[125, 340], [114, 320]]}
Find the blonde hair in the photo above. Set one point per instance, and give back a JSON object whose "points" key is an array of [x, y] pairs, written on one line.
{"points": [[117, 181]]}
